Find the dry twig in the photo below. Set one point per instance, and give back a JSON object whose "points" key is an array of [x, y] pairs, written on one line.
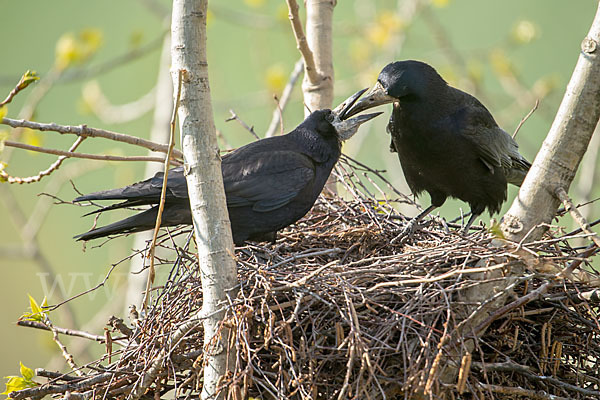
{"points": [[86, 131]]}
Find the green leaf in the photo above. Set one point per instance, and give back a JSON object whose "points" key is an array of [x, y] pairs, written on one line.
{"points": [[495, 229], [34, 305], [15, 383], [27, 79], [26, 372], [37, 313]]}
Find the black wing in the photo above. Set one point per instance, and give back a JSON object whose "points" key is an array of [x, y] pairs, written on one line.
{"points": [[496, 148], [266, 180]]}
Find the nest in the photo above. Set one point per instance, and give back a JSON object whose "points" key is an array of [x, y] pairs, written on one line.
{"points": [[339, 308]]}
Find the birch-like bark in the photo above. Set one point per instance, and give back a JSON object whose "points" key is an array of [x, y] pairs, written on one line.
{"points": [[318, 93], [205, 183], [536, 204], [557, 161]]}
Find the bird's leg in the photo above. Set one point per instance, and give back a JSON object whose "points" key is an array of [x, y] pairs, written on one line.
{"points": [[474, 215], [412, 224]]}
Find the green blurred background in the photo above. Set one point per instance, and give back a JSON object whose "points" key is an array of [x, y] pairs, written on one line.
{"points": [[508, 53]]}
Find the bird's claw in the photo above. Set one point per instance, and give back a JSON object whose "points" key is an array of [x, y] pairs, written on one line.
{"points": [[406, 233]]}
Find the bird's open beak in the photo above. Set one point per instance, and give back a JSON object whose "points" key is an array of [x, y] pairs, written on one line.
{"points": [[347, 128], [375, 97], [345, 105]]}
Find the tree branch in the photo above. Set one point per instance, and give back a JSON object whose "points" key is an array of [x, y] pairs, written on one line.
{"points": [[72, 154], [302, 44], [41, 391], [570, 207], [235, 117], [557, 162], [109, 113], [285, 97], [27, 79], [318, 94], [163, 192], [86, 131], [210, 217]]}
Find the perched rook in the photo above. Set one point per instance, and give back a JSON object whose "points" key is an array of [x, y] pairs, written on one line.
{"points": [[447, 141], [269, 184]]}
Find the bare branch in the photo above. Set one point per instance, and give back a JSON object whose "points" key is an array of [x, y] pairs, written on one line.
{"points": [[69, 154], [319, 35], [160, 131], [527, 372], [53, 167], [109, 113], [234, 117], [212, 229], [69, 332], [570, 207], [163, 193], [525, 118], [276, 120], [520, 392], [28, 78], [302, 44], [86, 131], [558, 160], [44, 390]]}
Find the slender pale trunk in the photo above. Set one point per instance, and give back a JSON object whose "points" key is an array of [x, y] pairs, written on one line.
{"points": [[557, 161], [318, 93], [536, 204], [205, 183]]}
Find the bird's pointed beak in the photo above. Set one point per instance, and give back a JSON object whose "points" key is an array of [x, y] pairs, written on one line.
{"points": [[374, 97], [345, 105], [348, 128]]}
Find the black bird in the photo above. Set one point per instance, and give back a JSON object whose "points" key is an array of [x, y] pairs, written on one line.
{"points": [[269, 184], [448, 143]]}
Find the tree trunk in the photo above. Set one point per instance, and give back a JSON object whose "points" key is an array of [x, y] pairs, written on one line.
{"points": [[319, 26], [319, 35], [205, 183], [536, 204], [556, 163]]}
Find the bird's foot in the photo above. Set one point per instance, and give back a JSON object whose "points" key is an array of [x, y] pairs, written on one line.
{"points": [[406, 233], [465, 231]]}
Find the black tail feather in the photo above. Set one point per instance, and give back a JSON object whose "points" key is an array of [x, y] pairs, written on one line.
{"points": [[173, 214], [125, 204], [136, 223]]}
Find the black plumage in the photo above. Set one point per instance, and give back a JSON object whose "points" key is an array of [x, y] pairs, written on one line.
{"points": [[448, 143], [269, 184]]}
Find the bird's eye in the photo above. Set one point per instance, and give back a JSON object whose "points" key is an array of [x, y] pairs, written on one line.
{"points": [[329, 117]]}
